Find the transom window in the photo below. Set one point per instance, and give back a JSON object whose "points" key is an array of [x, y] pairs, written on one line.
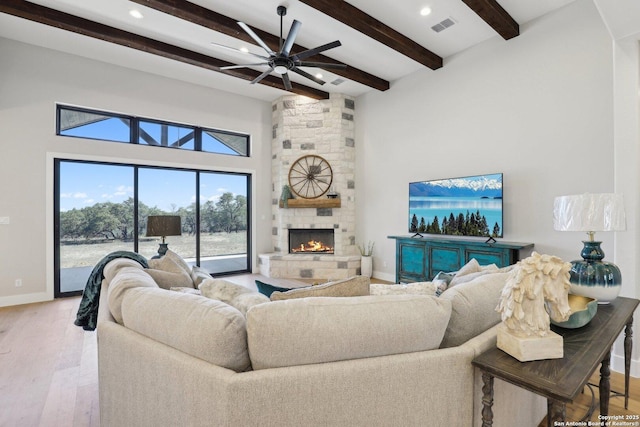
{"points": [[112, 127]]}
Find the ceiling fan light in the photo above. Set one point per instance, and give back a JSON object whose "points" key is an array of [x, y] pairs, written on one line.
{"points": [[280, 69]]}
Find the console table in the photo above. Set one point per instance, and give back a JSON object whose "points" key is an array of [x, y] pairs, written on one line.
{"points": [[561, 380], [418, 259]]}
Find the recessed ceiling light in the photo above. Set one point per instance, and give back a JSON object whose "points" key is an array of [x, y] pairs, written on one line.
{"points": [[319, 76], [425, 11], [244, 49], [136, 13]]}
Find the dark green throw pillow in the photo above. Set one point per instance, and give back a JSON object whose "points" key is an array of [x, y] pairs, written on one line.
{"points": [[267, 289]]}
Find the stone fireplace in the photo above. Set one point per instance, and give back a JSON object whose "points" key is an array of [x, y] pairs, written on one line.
{"points": [[303, 126]]}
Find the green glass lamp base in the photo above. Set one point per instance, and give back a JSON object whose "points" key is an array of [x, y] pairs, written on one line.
{"points": [[594, 278]]}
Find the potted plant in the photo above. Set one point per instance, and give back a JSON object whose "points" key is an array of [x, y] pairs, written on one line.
{"points": [[366, 262]]}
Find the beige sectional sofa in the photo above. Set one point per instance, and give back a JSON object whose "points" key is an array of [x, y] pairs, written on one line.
{"points": [[170, 358]]}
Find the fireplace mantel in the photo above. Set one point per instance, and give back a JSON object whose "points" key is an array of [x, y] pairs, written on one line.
{"points": [[323, 202]]}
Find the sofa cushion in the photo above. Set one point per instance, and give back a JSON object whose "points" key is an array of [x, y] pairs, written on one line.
{"points": [[473, 307], [235, 295], [126, 279], [352, 287], [317, 330], [208, 329], [113, 267]]}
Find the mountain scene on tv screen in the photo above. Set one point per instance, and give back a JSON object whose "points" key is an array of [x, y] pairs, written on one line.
{"points": [[470, 206]]}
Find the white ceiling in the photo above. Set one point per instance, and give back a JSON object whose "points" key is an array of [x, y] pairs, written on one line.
{"points": [[357, 49]]}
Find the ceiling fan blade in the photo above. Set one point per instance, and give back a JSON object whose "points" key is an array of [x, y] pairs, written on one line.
{"points": [[307, 75], [291, 37], [233, 67], [286, 81], [307, 53], [262, 76], [239, 51], [255, 37], [321, 65]]}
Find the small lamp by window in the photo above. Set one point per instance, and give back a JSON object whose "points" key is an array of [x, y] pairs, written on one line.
{"points": [[163, 226], [591, 276]]}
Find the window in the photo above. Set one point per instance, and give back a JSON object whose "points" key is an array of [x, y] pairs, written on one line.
{"points": [[112, 127], [103, 207]]}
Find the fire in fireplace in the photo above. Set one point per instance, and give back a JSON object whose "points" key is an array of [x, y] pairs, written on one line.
{"points": [[314, 240]]}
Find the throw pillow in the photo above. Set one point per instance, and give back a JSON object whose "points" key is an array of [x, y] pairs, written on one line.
{"points": [[169, 272], [168, 280], [473, 307], [417, 288], [178, 260], [352, 287], [267, 289], [233, 294], [198, 275], [319, 330]]}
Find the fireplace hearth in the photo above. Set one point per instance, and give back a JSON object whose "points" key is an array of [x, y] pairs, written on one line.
{"points": [[314, 241]]}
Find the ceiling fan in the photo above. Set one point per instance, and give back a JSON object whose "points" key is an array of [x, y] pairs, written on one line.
{"points": [[283, 61]]}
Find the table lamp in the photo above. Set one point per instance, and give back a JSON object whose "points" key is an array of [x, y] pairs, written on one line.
{"points": [[591, 276], [163, 226]]}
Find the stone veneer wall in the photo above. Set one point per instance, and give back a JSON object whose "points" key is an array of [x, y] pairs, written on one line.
{"points": [[325, 128]]}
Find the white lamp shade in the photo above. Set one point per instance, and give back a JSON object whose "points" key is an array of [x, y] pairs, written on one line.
{"points": [[589, 212]]}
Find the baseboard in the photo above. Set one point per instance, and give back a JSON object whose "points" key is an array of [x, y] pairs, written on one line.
{"points": [[617, 364], [384, 276], [25, 299]]}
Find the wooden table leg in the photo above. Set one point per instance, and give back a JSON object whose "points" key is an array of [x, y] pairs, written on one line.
{"points": [[605, 385], [487, 399], [628, 345], [556, 413]]}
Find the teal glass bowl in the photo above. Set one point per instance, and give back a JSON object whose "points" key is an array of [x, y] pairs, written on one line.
{"points": [[582, 311]]}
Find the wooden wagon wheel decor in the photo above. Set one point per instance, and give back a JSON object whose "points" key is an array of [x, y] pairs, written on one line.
{"points": [[310, 176]]}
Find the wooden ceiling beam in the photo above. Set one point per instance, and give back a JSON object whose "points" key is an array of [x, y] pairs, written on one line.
{"points": [[371, 27], [495, 15], [223, 24], [65, 21]]}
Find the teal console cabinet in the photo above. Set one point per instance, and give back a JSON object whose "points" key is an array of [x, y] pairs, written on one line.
{"points": [[418, 259]]}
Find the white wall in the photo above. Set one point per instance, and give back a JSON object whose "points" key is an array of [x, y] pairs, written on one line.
{"points": [[32, 80], [539, 108]]}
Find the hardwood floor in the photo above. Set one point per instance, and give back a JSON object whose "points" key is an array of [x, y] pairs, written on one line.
{"points": [[49, 375], [48, 367]]}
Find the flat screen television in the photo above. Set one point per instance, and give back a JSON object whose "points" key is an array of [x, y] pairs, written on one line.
{"points": [[466, 206]]}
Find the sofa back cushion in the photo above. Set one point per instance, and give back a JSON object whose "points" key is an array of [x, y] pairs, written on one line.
{"points": [[126, 279], [473, 307], [324, 329], [208, 329]]}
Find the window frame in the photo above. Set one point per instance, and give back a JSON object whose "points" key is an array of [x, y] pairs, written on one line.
{"points": [[134, 131]]}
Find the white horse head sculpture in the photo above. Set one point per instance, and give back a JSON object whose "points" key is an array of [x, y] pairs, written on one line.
{"points": [[533, 281]]}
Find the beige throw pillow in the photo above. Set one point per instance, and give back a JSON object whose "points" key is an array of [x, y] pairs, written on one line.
{"points": [[417, 288], [473, 307], [351, 287], [235, 295], [168, 272]]}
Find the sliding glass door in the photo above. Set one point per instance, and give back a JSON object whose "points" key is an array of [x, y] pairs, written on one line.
{"points": [[101, 208]]}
